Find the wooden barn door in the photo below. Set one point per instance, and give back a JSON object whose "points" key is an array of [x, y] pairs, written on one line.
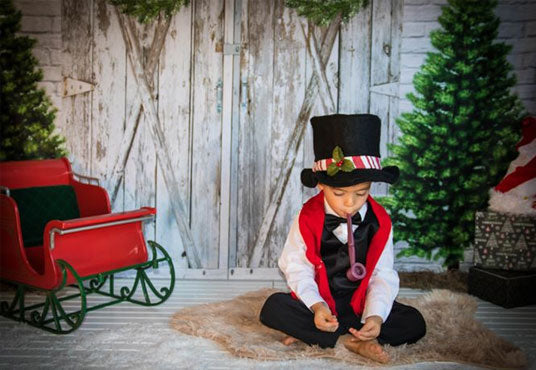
{"points": [[205, 116], [292, 70], [151, 129]]}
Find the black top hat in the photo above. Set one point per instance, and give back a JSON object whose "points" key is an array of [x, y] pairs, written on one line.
{"points": [[347, 152]]}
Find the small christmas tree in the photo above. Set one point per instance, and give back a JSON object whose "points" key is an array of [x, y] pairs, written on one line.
{"points": [[27, 116], [460, 137]]}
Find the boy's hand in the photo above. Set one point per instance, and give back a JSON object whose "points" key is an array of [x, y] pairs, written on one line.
{"points": [[324, 320], [370, 330]]}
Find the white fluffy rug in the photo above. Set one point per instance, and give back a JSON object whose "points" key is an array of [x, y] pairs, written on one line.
{"points": [[452, 333]]}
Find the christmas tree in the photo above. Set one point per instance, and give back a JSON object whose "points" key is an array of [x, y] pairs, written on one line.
{"points": [[27, 116], [459, 138]]}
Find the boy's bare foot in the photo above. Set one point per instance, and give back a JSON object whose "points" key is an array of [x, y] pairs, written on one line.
{"points": [[288, 340], [369, 349]]}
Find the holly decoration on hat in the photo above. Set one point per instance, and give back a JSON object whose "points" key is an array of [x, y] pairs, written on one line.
{"points": [[339, 163]]}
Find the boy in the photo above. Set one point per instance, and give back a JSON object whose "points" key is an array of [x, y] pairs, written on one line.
{"points": [[325, 302]]}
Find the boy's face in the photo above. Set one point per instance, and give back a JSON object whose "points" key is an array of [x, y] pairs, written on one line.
{"points": [[348, 199]]}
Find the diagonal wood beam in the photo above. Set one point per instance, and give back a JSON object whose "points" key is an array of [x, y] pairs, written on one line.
{"points": [[134, 114], [319, 68], [293, 146], [159, 139]]}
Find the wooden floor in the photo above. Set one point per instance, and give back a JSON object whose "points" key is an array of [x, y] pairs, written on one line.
{"points": [[26, 347]]}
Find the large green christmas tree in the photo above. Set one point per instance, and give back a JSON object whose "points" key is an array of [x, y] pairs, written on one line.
{"points": [[27, 116], [460, 137]]}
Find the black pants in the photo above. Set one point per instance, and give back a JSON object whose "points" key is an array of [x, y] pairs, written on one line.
{"points": [[281, 312]]}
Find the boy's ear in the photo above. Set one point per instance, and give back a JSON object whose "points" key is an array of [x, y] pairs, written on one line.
{"points": [[320, 186]]}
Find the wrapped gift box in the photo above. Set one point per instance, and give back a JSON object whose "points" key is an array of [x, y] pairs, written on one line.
{"points": [[505, 241], [504, 288]]}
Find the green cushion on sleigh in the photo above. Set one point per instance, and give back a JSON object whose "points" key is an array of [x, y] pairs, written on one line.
{"points": [[39, 205]]}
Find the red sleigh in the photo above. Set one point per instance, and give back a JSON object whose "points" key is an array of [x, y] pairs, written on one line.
{"points": [[57, 235]]}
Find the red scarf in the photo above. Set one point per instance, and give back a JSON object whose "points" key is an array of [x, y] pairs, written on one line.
{"points": [[311, 222]]}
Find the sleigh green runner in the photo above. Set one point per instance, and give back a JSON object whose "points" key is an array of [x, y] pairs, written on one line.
{"points": [[52, 315]]}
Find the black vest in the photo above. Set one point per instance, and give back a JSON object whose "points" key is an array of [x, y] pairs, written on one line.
{"points": [[335, 254]]}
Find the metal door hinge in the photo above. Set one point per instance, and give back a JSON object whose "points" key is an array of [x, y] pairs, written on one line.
{"points": [[74, 87]]}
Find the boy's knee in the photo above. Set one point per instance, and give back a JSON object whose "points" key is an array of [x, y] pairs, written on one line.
{"points": [[417, 324], [270, 308]]}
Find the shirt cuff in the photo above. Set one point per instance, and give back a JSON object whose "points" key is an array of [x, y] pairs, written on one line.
{"points": [[376, 308], [310, 298]]}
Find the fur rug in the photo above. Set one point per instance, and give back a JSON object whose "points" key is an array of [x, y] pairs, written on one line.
{"points": [[452, 333]]}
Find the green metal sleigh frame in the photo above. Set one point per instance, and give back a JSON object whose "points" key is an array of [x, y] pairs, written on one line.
{"points": [[51, 316], [71, 260]]}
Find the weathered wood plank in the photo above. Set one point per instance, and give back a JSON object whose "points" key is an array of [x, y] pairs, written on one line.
{"points": [[354, 63], [139, 172], [230, 69], [134, 110], [108, 116], [207, 93], [396, 41], [236, 104], [292, 149], [331, 79], [77, 40], [289, 86], [313, 57], [159, 139], [331, 66], [256, 118], [174, 111], [381, 60], [307, 148]]}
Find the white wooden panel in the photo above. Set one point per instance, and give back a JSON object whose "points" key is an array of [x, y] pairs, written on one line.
{"points": [[332, 74], [354, 64], [256, 118], [236, 109], [140, 170], [382, 59], [77, 40], [308, 160], [261, 273], [396, 40], [289, 84], [206, 128], [275, 69], [292, 153], [174, 112], [109, 68], [226, 139]]}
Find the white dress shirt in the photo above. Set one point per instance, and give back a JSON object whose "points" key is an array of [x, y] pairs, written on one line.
{"points": [[300, 273]]}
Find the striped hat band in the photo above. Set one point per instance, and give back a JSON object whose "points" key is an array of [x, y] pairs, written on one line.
{"points": [[359, 162]]}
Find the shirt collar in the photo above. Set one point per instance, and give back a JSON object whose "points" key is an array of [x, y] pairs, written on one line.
{"points": [[362, 211]]}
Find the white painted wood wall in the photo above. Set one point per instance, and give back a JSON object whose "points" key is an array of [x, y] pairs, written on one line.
{"points": [[227, 119]]}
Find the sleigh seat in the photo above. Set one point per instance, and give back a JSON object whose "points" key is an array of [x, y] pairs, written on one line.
{"points": [[58, 235]]}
